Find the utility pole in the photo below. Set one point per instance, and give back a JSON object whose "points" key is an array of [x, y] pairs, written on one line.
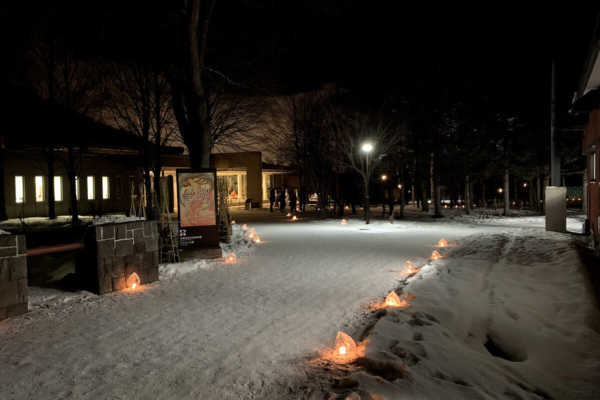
{"points": [[554, 159]]}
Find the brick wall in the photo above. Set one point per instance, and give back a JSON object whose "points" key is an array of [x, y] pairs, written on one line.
{"points": [[13, 276], [114, 251]]}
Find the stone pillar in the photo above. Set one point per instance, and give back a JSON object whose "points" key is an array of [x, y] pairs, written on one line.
{"points": [[555, 207], [114, 251], [14, 294]]}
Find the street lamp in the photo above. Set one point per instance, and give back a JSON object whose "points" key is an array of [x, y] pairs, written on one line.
{"points": [[500, 190], [383, 177], [367, 148], [399, 186]]}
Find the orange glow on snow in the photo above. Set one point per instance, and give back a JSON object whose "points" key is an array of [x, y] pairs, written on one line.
{"points": [[436, 255], [442, 243], [343, 222]]}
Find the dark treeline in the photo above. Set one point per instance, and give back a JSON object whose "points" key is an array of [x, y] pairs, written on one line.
{"points": [[456, 103]]}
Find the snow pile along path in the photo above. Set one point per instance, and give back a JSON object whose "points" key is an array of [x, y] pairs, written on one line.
{"points": [[503, 316]]}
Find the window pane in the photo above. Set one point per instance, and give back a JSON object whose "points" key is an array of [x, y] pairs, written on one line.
{"points": [[105, 188], [39, 188], [77, 187], [58, 190], [90, 188], [19, 190]]}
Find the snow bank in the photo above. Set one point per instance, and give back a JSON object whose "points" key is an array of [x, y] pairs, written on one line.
{"points": [[503, 316], [241, 245]]}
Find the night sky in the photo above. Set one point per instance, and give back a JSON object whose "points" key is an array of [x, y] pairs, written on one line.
{"points": [[376, 47]]}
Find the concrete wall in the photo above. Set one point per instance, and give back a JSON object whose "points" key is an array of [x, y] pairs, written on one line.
{"points": [[252, 163], [14, 293], [114, 251], [119, 168]]}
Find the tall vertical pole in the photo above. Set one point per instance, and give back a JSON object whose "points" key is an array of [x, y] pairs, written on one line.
{"points": [[554, 159]]}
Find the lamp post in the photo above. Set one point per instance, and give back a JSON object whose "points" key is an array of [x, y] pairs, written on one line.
{"points": [[367, 148]]}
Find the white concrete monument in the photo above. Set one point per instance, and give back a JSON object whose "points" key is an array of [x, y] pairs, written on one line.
{"points": [[556, 208]]}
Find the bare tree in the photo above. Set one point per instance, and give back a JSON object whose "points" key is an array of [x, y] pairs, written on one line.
{"points": [[368, 140], [75, 85], [234, 116], [141, 103], [189, 95]]}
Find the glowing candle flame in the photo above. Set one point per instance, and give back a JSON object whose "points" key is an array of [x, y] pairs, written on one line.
{"points": [[288, 214], [244, 227], [233, 222], [257, 240], [294, 218], [442, 243], [231, 258], [392, 300], [344, 222], [345, 347], [435, 255], [133, 280]]}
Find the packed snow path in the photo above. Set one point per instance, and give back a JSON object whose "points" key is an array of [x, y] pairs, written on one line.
{"points": [[218, 331]]}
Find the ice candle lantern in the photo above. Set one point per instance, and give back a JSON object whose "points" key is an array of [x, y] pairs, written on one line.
{"points": [[392, 300], [345, 347], [435, 255], [133, 281], [442, 243]]}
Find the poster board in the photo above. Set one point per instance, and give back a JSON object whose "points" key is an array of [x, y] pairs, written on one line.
{"points": [[197, 208]]}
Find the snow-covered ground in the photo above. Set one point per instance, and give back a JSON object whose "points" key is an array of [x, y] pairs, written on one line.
{"points": [[250, 330]]}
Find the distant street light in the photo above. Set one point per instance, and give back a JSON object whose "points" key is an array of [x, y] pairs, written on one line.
{"points": [[500, 190], [367, 148], [383, 177], [399, 186], [524, 184]]}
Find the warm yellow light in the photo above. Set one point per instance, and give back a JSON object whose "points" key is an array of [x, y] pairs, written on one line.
{"points": [[435, 255], [343, 222], [500, 190], [133, 280], [399, 186], [384, 177], [342, 350], [288, 214], [244, 227], [233, 222], [392, 300], [442, 243], [294, 218]]}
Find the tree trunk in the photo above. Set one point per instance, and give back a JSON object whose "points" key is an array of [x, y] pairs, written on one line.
{"points": [[506, 192], [50, 179], [483, 196], [366, 202], [467, 194], [147, 182], [3, 215], [436, 187], [72, 187]]}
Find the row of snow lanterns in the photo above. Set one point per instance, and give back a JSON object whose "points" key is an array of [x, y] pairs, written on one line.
{"points": [[346, 349]]}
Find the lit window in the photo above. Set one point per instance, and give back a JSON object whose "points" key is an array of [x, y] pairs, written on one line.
{"points": [[58, 188], [39, 188], [105, 188], [90, 188], [19, 190], [593, 172], [77, 187]]}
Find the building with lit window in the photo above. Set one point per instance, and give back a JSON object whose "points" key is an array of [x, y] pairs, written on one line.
{"points": [[107, 164]]}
